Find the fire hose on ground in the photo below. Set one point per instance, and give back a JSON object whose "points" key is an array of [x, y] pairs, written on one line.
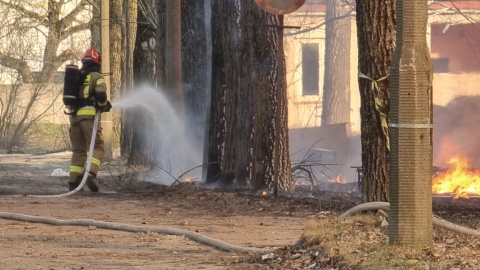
{"points": [[205, 240], [386, 207], [202, 239], [197, 237]]}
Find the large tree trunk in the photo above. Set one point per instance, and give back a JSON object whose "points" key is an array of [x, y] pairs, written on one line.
{"points": [[411, 129], [376, 42], [271, 113], [195, 69], [244, 85], [336, 86]]}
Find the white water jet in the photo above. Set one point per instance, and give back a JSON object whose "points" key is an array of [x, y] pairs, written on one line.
{"points": [[174, 152]]}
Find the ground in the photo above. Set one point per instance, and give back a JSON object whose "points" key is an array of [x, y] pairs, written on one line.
{"points": [[236, 217]]}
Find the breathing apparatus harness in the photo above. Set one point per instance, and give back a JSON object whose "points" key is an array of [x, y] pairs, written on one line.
{"points": [[74, 78]]}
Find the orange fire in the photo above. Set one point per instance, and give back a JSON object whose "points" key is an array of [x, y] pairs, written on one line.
{"points": [[458, 180], [338, 180], [188, 179]]}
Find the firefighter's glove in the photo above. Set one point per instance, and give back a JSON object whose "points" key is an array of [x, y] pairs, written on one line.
{"points": [[106, 107]]}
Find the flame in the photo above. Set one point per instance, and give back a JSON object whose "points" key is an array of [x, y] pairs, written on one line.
{"points": [[458, 180], [188, 179], [338, 180]]}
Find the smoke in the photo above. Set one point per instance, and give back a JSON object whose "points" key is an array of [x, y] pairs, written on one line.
{"points": [[332, 149], [174, 152], [457, 131]]}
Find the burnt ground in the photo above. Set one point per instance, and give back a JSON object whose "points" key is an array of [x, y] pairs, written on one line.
{"points": [[237, 217]]}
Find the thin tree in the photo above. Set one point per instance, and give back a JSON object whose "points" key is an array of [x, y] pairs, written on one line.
{"points": [[26, 26], [376, 42], [336, 85]]}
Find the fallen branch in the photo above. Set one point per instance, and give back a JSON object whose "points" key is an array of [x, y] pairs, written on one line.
{"points": [[202, 239], [441, 223]]}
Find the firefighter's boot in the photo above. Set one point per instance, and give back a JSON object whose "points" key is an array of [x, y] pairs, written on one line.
{"points": [[91, 183], [73, 185]]}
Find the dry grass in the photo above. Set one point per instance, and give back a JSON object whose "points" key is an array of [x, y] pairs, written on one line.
{"points": [[362, 241]]}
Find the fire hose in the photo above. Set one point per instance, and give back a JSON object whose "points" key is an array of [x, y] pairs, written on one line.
{"points": [[205, 240], [441, 223], [202, 239]]}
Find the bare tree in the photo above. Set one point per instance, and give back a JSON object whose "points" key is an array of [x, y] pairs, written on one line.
{"points": [[37, 40], [336, 85]]}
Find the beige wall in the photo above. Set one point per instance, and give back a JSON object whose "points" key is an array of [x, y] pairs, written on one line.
{"points": [[49, 103], [305, 111]]}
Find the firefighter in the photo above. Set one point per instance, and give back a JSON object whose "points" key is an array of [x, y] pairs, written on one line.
{"points": [[92, 96]]}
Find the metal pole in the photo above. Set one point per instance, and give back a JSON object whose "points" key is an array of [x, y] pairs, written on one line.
{"points": [[173, 57]]}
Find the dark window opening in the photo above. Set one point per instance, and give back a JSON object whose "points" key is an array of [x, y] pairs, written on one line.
{"points": [[310, 69], [440, 65]]}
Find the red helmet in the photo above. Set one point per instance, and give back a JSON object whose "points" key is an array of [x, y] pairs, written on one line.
{"points": [[92, 55]]}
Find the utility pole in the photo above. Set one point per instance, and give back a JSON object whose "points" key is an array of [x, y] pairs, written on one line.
{"points": [[173, 57], [411, 129], [106, 120]]}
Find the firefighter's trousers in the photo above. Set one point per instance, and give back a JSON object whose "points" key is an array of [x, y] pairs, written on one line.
{"points": [[81, 128]]}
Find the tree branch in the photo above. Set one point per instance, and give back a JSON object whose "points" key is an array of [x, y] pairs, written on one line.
{"points": [[19, 65], [74, 29], [319, 25], [27, 13], [67, 20]]}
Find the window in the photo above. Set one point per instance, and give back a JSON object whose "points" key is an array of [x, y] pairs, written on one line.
{"points": [[455, 48], [440, 65], [310, 69]]}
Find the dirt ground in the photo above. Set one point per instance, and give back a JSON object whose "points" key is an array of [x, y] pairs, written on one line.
{"points": [[236, 217], [240, 219]]}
